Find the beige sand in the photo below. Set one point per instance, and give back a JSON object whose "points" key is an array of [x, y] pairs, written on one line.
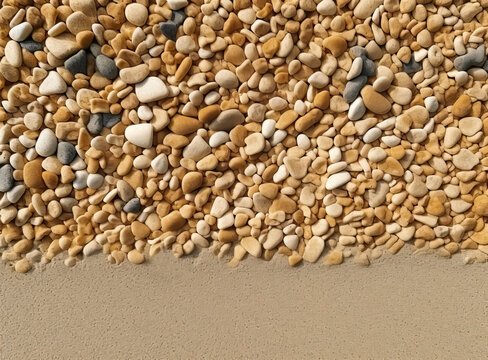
{"points": [[406, 307]]}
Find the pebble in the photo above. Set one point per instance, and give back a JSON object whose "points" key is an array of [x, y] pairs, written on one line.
{"points": [[21, 31], [140, 135], [356, 109], [374, 101], [177, 4], [133, 206], [31, 45], [95, 124], [227, 120], [106, 67], [226, 79], [94, 181], [197, 149], [110, 120], [47, 143], [53, 84], [66, 152], [137, 13], [353, 88], [185, 44], [77, 63], [371, 135], [470, 125], [474, 58], [337, 180], [313, 249], [219, 138], [151, 89], [169, 29], [6, 178], [465, 160], [254, 144], [178, 17], [431, 104], [13, 54]]}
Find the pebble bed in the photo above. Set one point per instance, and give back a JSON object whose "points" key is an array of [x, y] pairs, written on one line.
{"points": [[303, 129]]}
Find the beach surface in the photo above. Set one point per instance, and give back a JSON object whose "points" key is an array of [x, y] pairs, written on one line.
{"points": [[401, 307]]}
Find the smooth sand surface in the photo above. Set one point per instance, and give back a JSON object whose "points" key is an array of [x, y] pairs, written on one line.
{"points": [[401, 307]]}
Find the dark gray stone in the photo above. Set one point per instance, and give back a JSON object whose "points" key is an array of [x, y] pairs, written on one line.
{"points": [[412, 66], [31, 45], [95, 125], [178, 17], [66, 152], [169, 29], [106, 67], [353, 88], [474, 58], [110, 120], [6, 178], [76, 64], [369, 67], [132, 206]]}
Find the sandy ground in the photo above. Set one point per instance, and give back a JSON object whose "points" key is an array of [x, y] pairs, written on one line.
{"points": [[402, 307]]}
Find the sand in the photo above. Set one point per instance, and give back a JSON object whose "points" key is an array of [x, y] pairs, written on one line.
{"points": [[402, 307]]}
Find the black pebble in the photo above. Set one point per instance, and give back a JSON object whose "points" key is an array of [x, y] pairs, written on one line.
{"points": [[31, 45], [412, 66], [169, 29], [133, 206], [76, 64]]}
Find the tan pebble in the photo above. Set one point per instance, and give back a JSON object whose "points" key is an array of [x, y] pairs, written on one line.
{"points": [[191, 181], [462, 106], [135, 257], [22, 266], [335, 44], [252, 246], [374, 101], [334, 257], [140, 230], [172, 222]]}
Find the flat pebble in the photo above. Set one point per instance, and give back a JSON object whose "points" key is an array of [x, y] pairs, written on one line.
{"points": [[140, 135]]}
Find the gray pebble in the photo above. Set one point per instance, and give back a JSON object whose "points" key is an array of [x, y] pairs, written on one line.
{"points": [[110, 120], [353, 88], [66, 152], [15, 193], [474, 58], [47, 143], [95, 124], [412, 66], [357, 51], [178, 17], [68, 203], [133, 206], [369, 67], [81, 176], [106, 67], [372, 135], [31, 45], [95, 49], [6, 178], [76, 64]]}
